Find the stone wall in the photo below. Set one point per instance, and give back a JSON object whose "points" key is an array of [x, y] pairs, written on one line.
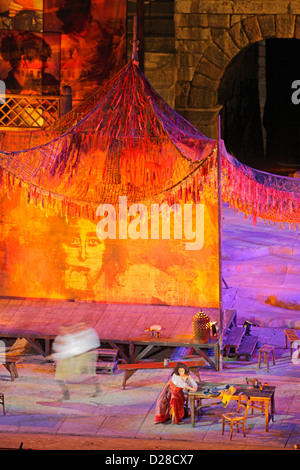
{"points": [[189, 43], [158, 45], [208, 35]]}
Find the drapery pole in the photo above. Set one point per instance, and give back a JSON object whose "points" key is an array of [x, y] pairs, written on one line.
{"points": [[135, 42], [138, 35], [140, 32], [220, 231]]}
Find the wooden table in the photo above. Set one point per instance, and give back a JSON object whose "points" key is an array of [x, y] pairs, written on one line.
{"points": [[253, 393]]}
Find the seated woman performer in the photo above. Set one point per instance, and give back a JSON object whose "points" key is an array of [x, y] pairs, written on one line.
{"points": [[170, 403]]}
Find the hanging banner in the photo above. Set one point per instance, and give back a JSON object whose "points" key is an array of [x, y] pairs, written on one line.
{"points": [[93, 41], [30, 62], [46, 44]]}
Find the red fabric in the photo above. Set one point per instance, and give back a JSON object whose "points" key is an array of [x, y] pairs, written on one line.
{"points": [[171, 400]]}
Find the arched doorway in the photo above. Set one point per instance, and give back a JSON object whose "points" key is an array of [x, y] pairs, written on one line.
{"points": [[282, 114], [241, 115], [232, 62], [260, 121]]}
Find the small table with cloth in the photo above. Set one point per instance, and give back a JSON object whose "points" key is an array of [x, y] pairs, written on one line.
{"points": [[214, 391]]}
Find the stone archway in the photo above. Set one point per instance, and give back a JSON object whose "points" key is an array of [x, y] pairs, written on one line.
{"points": [[197, 100]]}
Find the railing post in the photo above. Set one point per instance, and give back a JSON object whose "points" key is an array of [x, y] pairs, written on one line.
{"points": [[66, 100]]}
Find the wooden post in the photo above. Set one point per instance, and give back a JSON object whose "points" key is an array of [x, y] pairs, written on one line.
{"points": [[66, 100], [140, 32], [138, 35], [135, 42], [220, 231]]}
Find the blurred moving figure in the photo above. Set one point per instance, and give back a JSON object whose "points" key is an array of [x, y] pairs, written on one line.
{"points": [[75, 353]]}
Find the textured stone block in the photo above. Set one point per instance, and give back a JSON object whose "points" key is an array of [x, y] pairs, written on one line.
{"points": [[216, 6], [215, 55], [218, 21], [238, 35], [226, 43], [252, 29], [297, 27], [210, 70], [193, 33], [267, 25], [182, 90], [202, 81], [201, 98], [285, 26], [183, 6]]}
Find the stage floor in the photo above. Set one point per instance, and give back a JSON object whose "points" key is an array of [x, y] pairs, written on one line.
{"points": [[116, 324]]}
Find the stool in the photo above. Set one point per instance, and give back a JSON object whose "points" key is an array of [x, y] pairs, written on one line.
{"points": [[2, 402], [265, 350]]}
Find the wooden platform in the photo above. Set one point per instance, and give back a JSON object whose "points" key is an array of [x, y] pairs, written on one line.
{"points": [[119, 326]]}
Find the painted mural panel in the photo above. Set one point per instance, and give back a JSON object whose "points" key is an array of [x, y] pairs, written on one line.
{"points": [[93, 40], [46, 44], [30, 62], [21, 15]]}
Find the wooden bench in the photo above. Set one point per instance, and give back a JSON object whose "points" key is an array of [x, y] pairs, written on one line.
{"points": [[234, 340], [14, 355], [291, 336], [247, 347], [130, 369]]}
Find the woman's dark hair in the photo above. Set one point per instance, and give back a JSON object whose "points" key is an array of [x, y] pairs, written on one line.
{"points": [[73, 14], [181, 365], [17, 44]]}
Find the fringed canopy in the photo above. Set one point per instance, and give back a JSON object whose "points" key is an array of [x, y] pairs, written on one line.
{"points": [[127, 141]]}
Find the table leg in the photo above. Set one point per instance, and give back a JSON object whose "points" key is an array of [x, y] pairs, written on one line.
{"points": [[193, 410], [217, 354], [267, 360], [273, 407], [131, 352], [259, 359], [267, 414], [273, 358]]}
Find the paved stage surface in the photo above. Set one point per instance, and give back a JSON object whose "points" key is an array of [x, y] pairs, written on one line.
{"points": [[36, 417], [258, 264]]}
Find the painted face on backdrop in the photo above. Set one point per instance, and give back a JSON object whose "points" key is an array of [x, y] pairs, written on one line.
{"points": [[84, 256]]}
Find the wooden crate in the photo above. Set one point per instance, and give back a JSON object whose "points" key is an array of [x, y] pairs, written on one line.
{"points": [[107, 361]]}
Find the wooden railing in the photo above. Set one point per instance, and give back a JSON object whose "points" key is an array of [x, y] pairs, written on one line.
{"points": [[28, 111]]}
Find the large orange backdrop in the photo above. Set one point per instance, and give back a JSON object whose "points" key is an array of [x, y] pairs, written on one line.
{"points": [[47, 256]]}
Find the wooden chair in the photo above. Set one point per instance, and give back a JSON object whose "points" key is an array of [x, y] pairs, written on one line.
{"points": [[232, 418]]}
